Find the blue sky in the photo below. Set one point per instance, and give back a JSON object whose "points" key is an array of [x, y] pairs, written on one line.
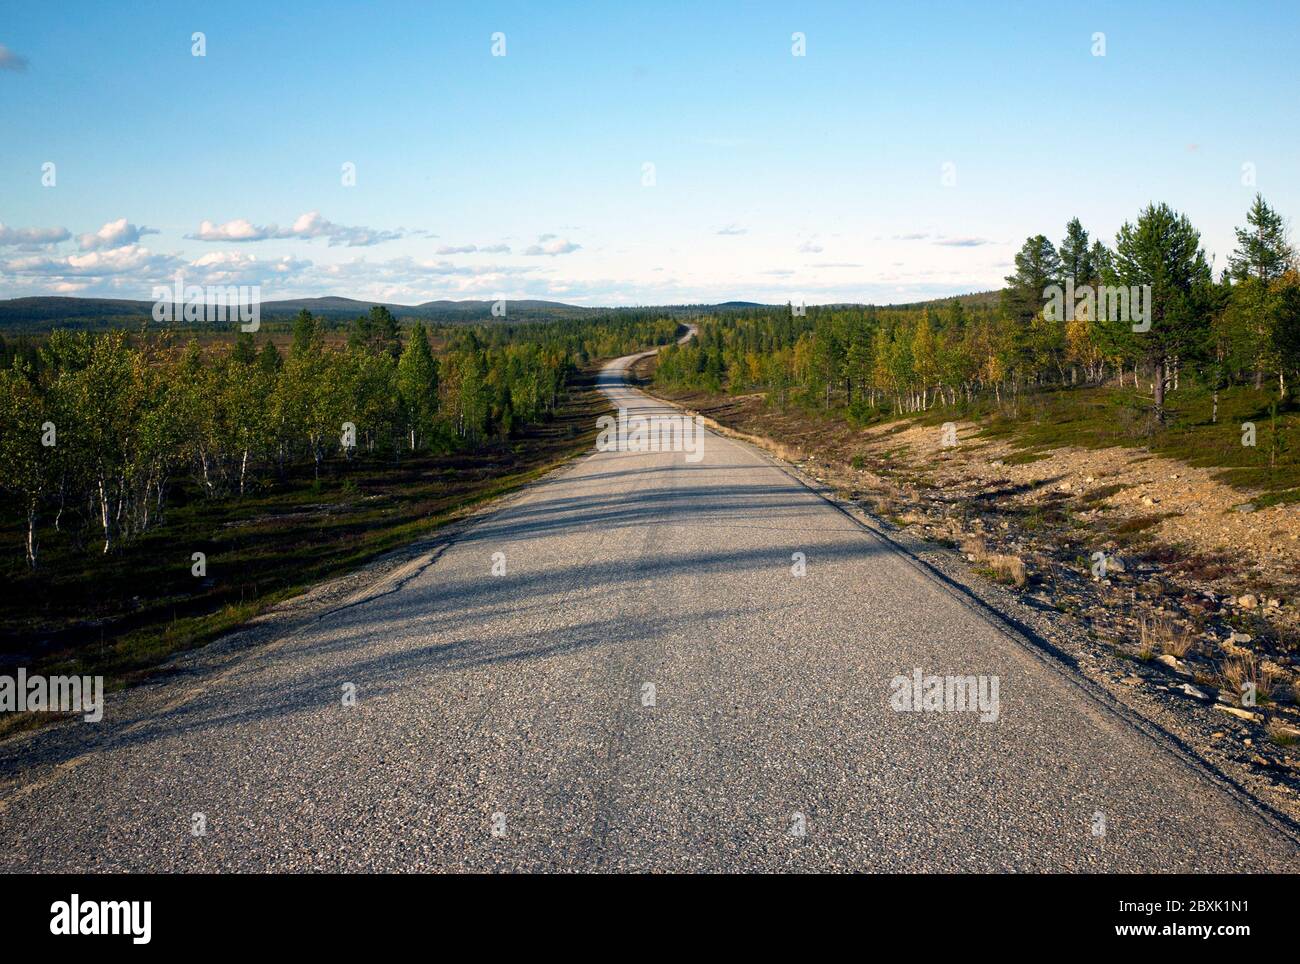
{"points": [[775, 177]]}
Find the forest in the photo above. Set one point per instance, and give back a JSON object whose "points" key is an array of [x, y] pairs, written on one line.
{"points": [[1239, 328], [99, 431]]}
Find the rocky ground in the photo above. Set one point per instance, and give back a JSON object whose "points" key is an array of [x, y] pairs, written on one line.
{"points": [[1167, 588]]}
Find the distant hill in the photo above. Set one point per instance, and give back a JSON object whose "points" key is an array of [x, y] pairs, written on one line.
{"points": [[36, 314], [44, 313], [981, 298]]}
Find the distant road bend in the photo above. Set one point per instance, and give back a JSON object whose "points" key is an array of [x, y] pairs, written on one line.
{"points": [[501, 721]]}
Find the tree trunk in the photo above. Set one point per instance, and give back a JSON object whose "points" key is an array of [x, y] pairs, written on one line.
{"points": [[103, 516], [31, 536], [1158, 390]]}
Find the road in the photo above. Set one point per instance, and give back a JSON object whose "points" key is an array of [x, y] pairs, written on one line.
{"points": [[500, 720]]}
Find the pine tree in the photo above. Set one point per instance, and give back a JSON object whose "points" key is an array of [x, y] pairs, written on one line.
{"points": [[268, 359], [1163, 250], [1037, 267], [244, 352], [1076, 256], [1263, 251]]}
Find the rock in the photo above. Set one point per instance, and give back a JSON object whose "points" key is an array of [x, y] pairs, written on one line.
{"points": [[1237, 712], [1274, 604], [1132, 681], [1174, 663], [1149, 500], [1247, 601], [1237, 637], [1115, 564], [1246, 507], [1193, 692]]}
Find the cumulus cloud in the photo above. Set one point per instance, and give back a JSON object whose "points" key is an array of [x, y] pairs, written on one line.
{"points": [[458, 249], [131, 259], [232, 267], [10, 60], [549, 245], [236, 230], [114, 234], [32, 236], [306, 227]]}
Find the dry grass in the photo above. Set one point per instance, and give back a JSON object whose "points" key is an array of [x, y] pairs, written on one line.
{"points": [[1009, 569], [783, 451], [1002, 567], [1156, 633], [1241, 670]]}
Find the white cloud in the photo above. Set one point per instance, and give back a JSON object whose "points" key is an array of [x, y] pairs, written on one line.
{"points": [[236, 230], [733, 229], [943, 240], [130, 259], [810, 247], [307, 226], [32, 236], [114, 234], [549, 245]]}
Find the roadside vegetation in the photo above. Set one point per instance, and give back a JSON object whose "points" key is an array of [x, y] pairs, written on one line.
{"points": [[1210, 381], [161, 488]]}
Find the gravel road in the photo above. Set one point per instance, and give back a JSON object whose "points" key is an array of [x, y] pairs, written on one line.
{"points": [[500, 720]]}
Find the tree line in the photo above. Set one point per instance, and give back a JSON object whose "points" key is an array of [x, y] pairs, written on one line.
{"points": [[1243, 326], [97, 430]]}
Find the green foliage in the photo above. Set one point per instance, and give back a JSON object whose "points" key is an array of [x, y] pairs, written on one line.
{"points": [[135, 416], [963, 353], [1262, 251]]}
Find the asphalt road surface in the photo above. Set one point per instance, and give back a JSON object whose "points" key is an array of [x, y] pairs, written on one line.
{"points": [[500, 721]]}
